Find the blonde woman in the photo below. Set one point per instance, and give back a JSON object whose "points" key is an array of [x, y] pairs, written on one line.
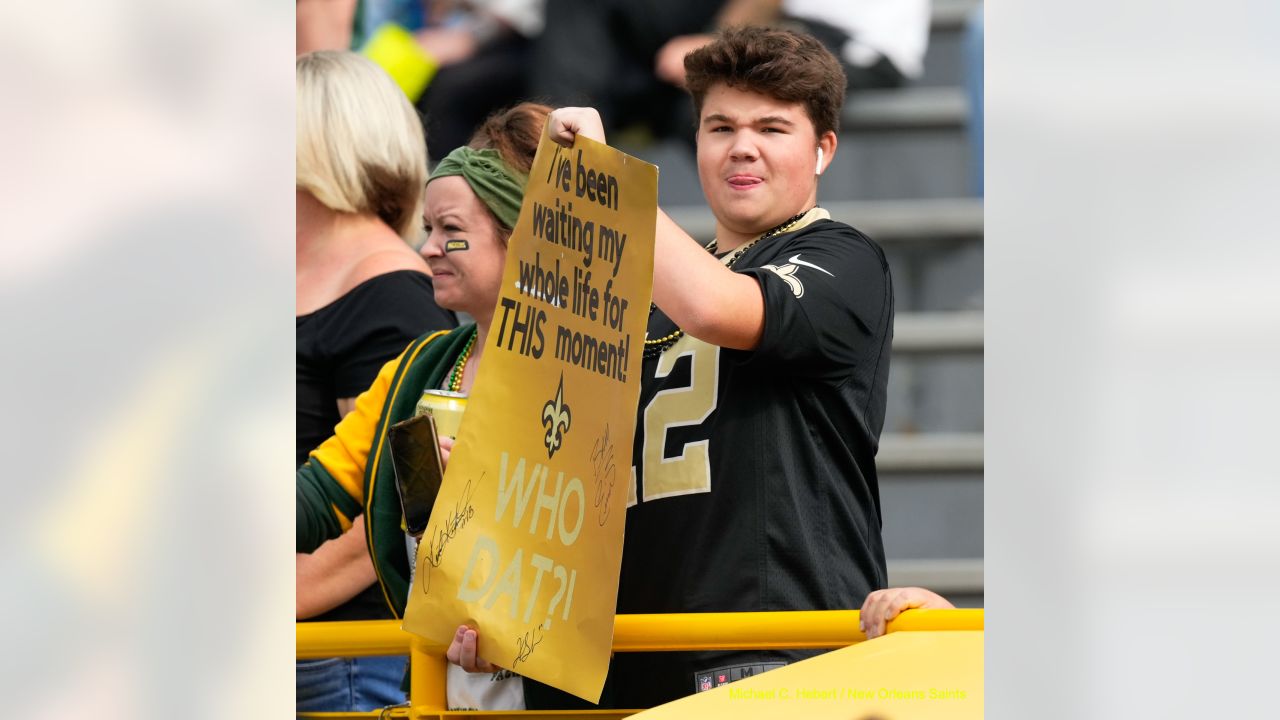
{"points": [[363, 294]]}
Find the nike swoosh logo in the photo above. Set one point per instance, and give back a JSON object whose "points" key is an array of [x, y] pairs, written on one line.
{"points": [[795, 260]]}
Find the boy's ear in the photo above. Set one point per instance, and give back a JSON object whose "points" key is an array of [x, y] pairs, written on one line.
{"points": [[826, 151]]}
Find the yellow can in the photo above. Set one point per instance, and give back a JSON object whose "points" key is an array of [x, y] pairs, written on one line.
{"points": [[447, 408]]}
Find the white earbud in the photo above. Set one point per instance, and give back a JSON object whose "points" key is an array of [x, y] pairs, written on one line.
{"points": [[818, 170]]}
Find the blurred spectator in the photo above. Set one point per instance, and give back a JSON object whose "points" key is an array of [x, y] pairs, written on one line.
{"points": [[362, 295], [627, 59], [483, 48], [880, 43], [457, 60], [601, 53]]}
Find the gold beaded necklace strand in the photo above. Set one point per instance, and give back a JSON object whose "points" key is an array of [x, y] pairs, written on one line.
{"points": [[657, 346], [460, 367]]}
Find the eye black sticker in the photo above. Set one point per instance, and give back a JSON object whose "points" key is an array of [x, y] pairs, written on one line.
{"points": [[456, 245]]}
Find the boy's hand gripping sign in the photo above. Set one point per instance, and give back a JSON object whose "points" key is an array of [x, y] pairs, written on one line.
{"points": [[525, 538]]}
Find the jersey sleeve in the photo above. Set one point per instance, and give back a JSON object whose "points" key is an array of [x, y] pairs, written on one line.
{"points": [[378, 324], [331, 482], [828, 305]]}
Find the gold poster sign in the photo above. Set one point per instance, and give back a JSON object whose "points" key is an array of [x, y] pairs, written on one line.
{"points": [[525, 538]]}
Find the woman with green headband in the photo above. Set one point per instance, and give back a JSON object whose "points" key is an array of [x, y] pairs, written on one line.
{"points": [[471, 203]]}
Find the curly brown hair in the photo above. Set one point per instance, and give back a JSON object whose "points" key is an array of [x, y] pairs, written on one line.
{"points": [[782, 64]]}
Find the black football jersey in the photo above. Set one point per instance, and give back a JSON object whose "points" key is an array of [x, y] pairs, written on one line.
{"points": [[754, 483]]}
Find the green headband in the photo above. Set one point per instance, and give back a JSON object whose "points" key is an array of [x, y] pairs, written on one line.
{"points": [[497, 185]]}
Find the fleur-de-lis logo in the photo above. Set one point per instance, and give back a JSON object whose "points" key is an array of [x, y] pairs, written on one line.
{"points": [[556, 419], [788, 274]]}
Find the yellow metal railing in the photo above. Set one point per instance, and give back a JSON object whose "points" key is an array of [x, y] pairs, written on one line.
{"points": [[631, 633]]}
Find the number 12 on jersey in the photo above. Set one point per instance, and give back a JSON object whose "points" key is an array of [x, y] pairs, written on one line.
{"points": [[689, 472]]}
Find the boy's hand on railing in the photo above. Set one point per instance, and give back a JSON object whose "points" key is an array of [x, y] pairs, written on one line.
{"points": [[462, 651], [882, 606]]}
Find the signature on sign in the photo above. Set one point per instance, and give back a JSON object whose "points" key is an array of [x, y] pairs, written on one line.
{"points": [[442, 534], [605, 473], [526, 644]]}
